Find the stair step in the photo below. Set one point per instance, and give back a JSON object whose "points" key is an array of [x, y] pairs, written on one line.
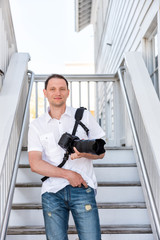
{"points": [[107, 229], [124, 236], [120, 156], [100, 184], [100, 165], [104, 194], [100, 205], [107, 216], [107, 174]]}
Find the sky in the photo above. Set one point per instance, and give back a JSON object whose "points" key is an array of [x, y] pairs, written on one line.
{"points": [[46, 30]]}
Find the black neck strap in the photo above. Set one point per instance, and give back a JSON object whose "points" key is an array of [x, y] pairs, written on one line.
{"points": [[78, 117]]}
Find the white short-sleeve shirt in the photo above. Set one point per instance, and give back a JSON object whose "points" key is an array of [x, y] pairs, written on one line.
{"points": [[44, 134]]}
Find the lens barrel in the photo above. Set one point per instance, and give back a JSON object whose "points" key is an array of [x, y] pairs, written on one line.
{"points": [[95, 146]]}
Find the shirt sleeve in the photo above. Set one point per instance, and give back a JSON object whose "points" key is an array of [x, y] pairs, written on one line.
{"points": [[95, 131], [34, 143]]}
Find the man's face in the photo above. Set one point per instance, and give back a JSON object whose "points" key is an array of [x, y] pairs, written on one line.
{"points": [[56, 92]]}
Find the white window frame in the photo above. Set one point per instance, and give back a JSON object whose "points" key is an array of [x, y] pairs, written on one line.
{"points": [[149, 50]]}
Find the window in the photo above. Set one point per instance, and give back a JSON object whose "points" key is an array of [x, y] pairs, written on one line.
{"points": [[154, 68], [151, 54]]}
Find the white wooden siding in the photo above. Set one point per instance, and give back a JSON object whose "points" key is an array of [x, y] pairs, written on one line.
{"points": [[119, 27], [124, 25]]}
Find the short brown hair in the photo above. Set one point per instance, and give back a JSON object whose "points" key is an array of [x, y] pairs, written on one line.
{"points": [[55, 76]]}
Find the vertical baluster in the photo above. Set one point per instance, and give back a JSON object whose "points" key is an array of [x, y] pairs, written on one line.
{"points": [[5, 190], [45, 104], [7, 173], [71, 93], [105, 102], [97, 102], [79, 94], [36, 98], [1, 201], [88, 96]]}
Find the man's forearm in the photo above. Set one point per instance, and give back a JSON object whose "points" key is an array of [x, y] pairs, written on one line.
{"points": [[44, 168], [78, 154], [93, 156]]}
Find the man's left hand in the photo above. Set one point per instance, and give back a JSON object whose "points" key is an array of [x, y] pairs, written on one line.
{"points": [[76, 154]]}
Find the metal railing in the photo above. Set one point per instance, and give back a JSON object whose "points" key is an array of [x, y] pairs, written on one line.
{"points": [[9, 174], [140, 155], [85, 90]]}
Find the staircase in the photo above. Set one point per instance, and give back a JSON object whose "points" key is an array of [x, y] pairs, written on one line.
{"points": [[123, 213]]}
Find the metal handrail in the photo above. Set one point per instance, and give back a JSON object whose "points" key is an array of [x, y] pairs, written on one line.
{"points": [[80, 77], [139, 152], [19, 149]]}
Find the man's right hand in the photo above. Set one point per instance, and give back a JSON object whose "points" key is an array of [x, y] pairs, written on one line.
{"points": [[75, 179]]}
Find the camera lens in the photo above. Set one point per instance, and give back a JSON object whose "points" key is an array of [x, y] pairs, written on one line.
{"points": [[95, 146]]}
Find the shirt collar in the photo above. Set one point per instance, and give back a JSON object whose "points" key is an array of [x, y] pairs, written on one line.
{"points": [[67, 112]]}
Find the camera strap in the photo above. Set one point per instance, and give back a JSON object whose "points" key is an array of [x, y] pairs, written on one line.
{"points": [[78, 117]]}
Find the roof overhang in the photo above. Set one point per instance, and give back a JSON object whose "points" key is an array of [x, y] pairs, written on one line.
{"points": [[83, 11]]}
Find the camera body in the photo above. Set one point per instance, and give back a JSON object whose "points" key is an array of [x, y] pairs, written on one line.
{"points": [[94, 146]]}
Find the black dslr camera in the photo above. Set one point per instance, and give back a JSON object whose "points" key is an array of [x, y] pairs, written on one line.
{"points": [[68, 141]]}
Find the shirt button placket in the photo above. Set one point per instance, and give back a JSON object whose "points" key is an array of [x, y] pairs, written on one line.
{"points": [[60, 127]]}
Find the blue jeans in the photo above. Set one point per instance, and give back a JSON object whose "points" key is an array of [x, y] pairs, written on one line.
{"points": [[81, 202]]}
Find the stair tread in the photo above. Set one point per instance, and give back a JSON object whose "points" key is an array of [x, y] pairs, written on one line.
{"points": [[97, 165], [100, 184], [118, 148], [105, 229], [115, 165], [100, 205], [122, 184]]}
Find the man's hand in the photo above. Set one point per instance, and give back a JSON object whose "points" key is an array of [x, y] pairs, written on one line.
{"points": [[75, 179], [76, 154]]}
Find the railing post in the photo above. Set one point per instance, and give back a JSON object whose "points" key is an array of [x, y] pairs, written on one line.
{"points": [[119, 115]]}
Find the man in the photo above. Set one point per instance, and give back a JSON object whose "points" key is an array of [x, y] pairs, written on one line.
{"points": [[71, 188]]}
